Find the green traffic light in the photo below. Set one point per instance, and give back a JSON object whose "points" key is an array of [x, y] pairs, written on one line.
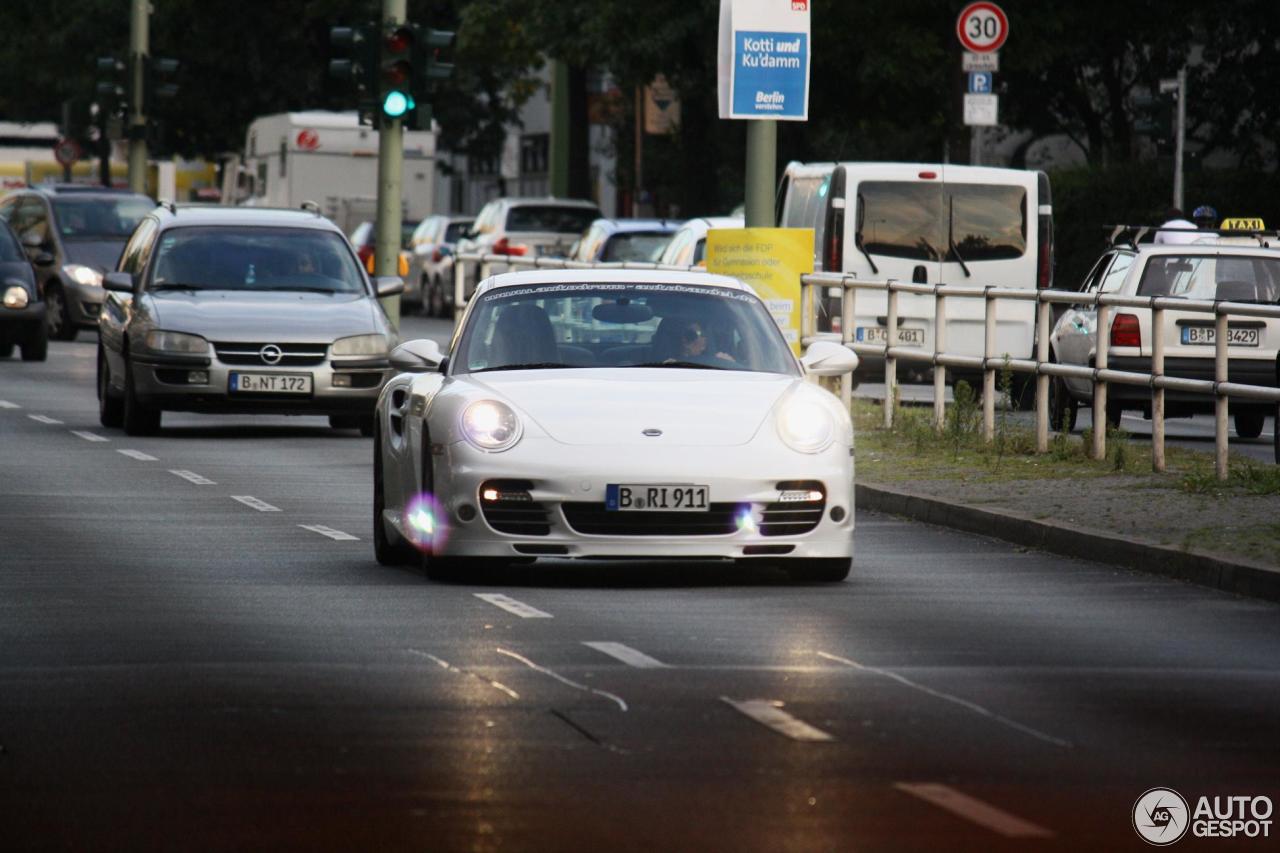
{"points": [[396, 104]]}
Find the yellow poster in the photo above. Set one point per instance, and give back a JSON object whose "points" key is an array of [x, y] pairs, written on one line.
{"points": [[771, 260]]}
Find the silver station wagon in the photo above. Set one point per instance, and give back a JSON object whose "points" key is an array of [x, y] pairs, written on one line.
{"points": [[241, 310]]}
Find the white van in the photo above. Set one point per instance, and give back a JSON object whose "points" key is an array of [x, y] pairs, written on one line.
{"points": [[924, 223]]}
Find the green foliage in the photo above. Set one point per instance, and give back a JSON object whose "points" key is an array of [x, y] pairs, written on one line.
{"points": [[963, 417], [1247, 476]]}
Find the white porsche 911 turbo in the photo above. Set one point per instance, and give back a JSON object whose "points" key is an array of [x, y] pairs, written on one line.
{"points": [[614, 414]]}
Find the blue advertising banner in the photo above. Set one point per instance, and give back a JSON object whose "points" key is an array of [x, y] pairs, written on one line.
{"points": [[763, 60]]}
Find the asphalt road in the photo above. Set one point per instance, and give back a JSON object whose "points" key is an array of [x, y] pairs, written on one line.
{"points": [[198, 651]]}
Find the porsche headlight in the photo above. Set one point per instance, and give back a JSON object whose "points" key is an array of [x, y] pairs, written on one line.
{"points": [[805, 426], [16, 297], [361, 345], [490, 425], [176, 342], [81, 274]]}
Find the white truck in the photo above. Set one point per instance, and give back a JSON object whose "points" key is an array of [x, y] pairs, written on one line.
{"points": [[328, 158]]}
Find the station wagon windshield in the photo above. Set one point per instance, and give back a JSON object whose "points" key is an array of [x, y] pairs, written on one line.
{"points": [[587, 325], [100, 218], [256, 259]]}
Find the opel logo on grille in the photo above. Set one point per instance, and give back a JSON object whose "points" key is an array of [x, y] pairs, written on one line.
{"points": [[653, 433], [271, 354]]}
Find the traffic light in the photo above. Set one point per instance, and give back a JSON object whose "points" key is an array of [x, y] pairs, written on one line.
{"points": [[158, 74], [1153, 116], [435, 44], [396, 91], [112, 85], [355, 65]]}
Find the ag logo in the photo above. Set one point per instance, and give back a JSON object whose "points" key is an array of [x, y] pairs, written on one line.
{"points": [[1161, 816]]}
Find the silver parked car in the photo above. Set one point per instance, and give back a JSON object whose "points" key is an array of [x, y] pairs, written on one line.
{"points": [[526, 228], [241, 310], [431, 261]]}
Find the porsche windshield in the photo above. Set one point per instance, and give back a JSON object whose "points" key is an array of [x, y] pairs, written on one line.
{"points": [[673, 326], [261, 258]]}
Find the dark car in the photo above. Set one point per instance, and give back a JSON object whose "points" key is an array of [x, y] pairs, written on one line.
{"points": [[614, 240], [83, 228], [21, 311]]}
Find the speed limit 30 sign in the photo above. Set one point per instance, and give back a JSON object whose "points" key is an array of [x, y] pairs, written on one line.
{"points": [[982, 27]]}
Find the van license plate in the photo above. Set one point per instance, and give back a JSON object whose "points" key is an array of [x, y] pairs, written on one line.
{"points": [[878, 334]]}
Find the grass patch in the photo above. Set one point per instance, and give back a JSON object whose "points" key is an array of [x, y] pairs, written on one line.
{"points": [[1244, 476]]}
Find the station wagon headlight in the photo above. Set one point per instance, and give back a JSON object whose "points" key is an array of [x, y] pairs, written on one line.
{"points": [[361, 345], [805, 426], [176, 342], [16, 297], [81, 274], [490, 425]]}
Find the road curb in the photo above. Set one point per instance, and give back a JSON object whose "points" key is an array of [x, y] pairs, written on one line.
{"points": [[1239, 576]]}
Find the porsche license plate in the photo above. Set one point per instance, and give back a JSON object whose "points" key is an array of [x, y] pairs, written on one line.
{"points": [[270, 383], [658, 497]]}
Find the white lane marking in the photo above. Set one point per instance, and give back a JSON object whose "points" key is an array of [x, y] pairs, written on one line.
{"points": [[254, 503], [963, 703], [974, 810], [139, 455], [509, 604], [89, 436], [444, 664], [192, 477], [768, 712], [558, 677], [44, 419], [626, 654], [330, 532], [5, 404]]}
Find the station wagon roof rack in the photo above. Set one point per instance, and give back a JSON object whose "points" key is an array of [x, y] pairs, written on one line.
{"points": [[170, 204], [310, 205]]}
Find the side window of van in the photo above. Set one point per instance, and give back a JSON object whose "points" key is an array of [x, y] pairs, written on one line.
{"points": [[807, 208]]}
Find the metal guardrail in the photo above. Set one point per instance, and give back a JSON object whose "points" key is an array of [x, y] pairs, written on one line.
{"points": [[1220, 388], [1040, 366]]}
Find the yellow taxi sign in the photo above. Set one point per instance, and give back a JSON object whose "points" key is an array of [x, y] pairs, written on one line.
{"points": [[1243, 224]]}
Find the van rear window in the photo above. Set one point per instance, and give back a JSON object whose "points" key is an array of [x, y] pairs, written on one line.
{"points": [[922, 221]]}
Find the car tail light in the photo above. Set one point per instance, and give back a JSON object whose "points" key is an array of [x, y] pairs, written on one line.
{"points": [[928, 176], [364, 253], [1044, 254], [436, 256], [1125, 331], [506, 247], [835, 244]]}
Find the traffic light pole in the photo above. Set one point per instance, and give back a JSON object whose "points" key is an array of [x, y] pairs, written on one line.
{"points": [[1179, 139], [762, 171], [138, 50], [386, 258]]}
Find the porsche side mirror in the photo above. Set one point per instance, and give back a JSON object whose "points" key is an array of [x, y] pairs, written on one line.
{"points": [[828, 358], [118, 282], [388, 285], [417, 356]]}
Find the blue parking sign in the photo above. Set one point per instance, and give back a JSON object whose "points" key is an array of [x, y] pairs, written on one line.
{"points": [[980, 82]]}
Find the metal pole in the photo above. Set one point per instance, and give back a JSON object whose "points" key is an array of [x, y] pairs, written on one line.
{"points": [[139, 48], [559, 155], [1100, 387], [1181, 137], [1042, 379], [1157, 393], [847, 305], [989, 372], [1220, 403], [890, 363], [939, 370], [762, 157], [390, 174], [459, 289], [639, 177]]}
